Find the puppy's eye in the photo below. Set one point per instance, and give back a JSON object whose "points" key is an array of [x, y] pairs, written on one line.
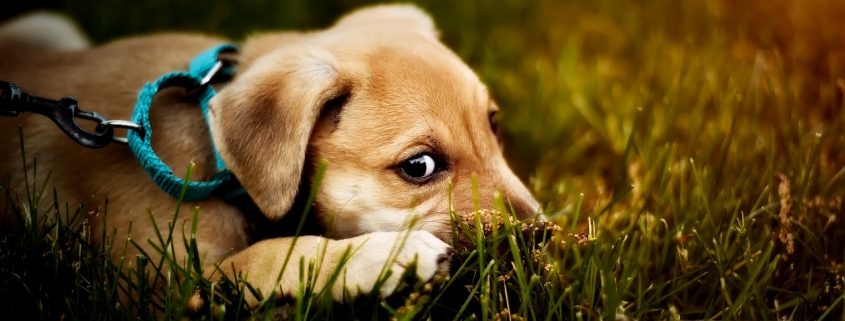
{"points": [[494, 125], [419, 168]]}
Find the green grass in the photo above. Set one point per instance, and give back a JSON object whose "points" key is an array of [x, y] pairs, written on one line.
{"points": [[692, 153]]}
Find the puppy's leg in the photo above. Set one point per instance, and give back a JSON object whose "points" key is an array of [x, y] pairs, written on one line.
{"points": [[361, 259]]}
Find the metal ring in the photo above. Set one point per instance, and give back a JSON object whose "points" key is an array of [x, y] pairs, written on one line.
{"points": [[125, 124], [211, 73], [206, 79]]}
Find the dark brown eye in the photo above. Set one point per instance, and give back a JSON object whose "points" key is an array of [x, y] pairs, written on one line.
{"points": [[420, 168], [494, 125]]}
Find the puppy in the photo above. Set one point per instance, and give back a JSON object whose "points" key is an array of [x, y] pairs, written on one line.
{"points": [[406, 129]]}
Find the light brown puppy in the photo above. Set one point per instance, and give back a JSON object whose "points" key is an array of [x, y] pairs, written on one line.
{"points": [[406, 128]]}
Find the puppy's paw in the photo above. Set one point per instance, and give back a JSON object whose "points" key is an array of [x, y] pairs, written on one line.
{"points": [[376, 254]]}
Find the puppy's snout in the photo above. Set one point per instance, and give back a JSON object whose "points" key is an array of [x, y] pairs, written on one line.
{"points": [[518, 197], [524, 208]]}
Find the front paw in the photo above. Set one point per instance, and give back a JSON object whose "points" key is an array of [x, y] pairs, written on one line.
{"points": [[374, 255]]}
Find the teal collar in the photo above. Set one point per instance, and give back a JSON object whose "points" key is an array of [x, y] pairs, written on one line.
{"points": [[203, 69]]}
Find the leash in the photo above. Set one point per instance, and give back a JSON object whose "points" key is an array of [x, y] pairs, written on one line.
{"points": [[64, 113], [205, 69]]}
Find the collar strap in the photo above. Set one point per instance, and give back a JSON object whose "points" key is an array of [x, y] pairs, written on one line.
{"points": [[204, 69]]}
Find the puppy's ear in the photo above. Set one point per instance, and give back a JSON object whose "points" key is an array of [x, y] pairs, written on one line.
{"points": [[261, 122], [391, 16]]}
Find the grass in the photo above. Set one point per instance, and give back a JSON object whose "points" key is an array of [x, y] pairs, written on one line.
{"points": [[690, 151]]}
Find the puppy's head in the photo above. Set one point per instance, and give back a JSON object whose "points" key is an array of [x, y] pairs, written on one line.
{"points": [[408, 130]]}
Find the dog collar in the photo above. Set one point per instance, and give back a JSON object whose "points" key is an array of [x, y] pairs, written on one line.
{"points": [[204, 68]]}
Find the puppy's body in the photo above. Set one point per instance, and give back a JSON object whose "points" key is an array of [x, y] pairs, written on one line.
{"points": [[106, 80], [372, 95]]}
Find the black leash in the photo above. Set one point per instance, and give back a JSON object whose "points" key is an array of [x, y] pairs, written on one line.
{"points": [[64, 113]]}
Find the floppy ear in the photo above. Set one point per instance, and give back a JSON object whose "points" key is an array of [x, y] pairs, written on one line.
{"points": [[391, 16], [262, 121]]}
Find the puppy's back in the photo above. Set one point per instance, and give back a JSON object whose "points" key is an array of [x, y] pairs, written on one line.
{"points": [[44, 30]]}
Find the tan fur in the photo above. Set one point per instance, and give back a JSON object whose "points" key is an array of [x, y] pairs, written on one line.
{"points": [[407, 93]]}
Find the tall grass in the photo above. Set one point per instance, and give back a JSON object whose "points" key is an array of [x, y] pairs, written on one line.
{"points": [[690, 153]]}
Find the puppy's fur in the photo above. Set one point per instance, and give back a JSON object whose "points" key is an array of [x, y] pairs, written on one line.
{"points": [[365, 95]]}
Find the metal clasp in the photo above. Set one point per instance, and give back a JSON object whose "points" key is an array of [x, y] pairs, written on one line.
{"points": [[123, 124], [64, 113]]}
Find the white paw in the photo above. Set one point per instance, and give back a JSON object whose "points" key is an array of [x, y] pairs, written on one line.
{"points": [[374, 254]]}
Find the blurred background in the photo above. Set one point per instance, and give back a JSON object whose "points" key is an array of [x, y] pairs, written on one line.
{"points": [[587, 86]]}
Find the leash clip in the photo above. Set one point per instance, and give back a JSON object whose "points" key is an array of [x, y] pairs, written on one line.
{"points": [[64, 113], [123, 124]]}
